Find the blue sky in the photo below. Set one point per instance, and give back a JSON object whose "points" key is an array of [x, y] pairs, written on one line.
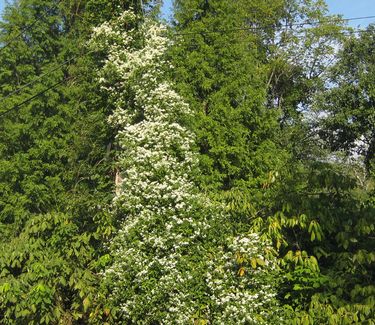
{"points": [[348, 8], [356, 8]]}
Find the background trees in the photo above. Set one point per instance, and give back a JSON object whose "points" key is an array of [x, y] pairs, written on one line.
{"points": [[53, 164], [297, 194], [349, 101]]}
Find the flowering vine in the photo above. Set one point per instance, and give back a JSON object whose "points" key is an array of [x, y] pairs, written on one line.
{"points": [[174, 260]]}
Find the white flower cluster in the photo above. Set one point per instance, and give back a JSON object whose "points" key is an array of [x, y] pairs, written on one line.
{"points": [[241, 287], [168, 259]]}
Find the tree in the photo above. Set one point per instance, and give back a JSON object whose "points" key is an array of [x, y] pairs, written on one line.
{"points": [[54, 178], [348, 103], [56, 163], [218, 67], [174, 259]]}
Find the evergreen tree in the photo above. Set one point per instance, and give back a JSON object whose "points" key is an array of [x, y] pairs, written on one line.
{"points": [[54, 175], [220, 72]]}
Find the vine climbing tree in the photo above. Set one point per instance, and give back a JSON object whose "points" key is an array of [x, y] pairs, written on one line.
{"points": [[174, 258]]}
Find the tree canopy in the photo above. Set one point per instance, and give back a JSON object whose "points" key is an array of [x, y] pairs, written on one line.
{"points": [[214, 169]]}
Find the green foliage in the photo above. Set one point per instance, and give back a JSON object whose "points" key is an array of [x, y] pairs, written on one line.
{"points": [[327, 251], [55, 170], [221, 75], [298, 197], [48, 265], [276, 130]]}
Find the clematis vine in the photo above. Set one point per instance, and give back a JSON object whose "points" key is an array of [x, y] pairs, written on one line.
{"points": [[174, 258]]}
